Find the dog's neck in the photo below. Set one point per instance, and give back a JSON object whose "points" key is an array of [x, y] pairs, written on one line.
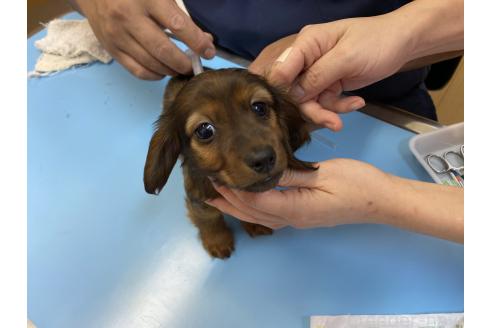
{"points": [[197, 183]]}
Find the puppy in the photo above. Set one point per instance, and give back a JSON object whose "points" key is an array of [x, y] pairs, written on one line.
{"points": [[229, 126]]}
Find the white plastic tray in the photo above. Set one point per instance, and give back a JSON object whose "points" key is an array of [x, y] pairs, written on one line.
{"points": [[438, 142]]}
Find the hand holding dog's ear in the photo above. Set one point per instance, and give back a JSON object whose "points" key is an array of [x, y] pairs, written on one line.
{"points": [[322, 110], [324, 60]]}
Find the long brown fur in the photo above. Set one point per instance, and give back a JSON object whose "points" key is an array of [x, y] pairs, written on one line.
{"points": [[224, 98]]}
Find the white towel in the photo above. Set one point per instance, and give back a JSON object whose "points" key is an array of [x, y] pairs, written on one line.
{"points": [[68, 43]]}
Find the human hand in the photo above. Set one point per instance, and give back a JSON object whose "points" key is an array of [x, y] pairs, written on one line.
{"points": [[326, 59], [132, 32], [312, 111], [341, 191]]}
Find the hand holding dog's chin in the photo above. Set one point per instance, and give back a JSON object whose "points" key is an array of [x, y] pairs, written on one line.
{"points": [[131, 31], [341, 191]]}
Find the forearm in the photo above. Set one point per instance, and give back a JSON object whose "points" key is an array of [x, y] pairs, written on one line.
{"points": [[430, 27], [426, 208]]}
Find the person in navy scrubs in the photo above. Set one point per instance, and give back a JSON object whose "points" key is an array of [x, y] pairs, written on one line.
{"points": [[131, 30]]}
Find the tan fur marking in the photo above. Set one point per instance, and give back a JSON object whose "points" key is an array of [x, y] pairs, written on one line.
{"points": [[260, 94], [193, 121]]}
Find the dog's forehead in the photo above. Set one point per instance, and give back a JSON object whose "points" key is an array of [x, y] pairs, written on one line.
{"points": [[226, 82], [225, 87]]}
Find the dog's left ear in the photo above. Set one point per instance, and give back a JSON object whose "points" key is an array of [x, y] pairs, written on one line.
{"points": [[295, 129]]}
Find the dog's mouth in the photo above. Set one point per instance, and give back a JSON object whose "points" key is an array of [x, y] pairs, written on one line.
{"points": [[265, 184]]}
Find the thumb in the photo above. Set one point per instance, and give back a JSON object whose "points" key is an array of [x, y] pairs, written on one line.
{"points": [[292, 178], [324, 72], [286, 67]]}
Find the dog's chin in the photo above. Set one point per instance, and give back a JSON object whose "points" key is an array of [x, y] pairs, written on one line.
{"points": [[263, 185]]}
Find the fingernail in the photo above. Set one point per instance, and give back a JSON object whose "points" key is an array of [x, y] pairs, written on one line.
{"points": [[357, 104], [210, 36], [335, 127], [297, 91], [284, 55], [209, 53]]}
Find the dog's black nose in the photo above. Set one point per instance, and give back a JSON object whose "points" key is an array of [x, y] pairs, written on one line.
{"points": [[261, 160]]}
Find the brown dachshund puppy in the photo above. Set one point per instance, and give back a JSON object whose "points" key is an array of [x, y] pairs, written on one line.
{"points": [[229, 126]]}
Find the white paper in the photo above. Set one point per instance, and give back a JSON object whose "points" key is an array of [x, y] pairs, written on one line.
{"points": [[432, 320]]}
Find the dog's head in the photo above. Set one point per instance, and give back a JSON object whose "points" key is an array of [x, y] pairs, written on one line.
{"points": [[229, 125]]}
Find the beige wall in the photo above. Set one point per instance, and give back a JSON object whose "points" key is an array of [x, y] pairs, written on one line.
{"points": [[449, 100], [42, 11]]}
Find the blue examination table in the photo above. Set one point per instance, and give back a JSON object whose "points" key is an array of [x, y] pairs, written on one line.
{"points": [[103, 253]]}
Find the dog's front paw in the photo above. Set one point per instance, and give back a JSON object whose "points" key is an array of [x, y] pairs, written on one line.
{"points": [[219, 244], [254, 230]]}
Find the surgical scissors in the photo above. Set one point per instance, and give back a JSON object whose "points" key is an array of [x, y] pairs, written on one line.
{"points": [[451, 162]]}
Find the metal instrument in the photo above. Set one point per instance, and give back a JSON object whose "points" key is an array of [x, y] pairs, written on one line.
{"points": [[451, 162]]}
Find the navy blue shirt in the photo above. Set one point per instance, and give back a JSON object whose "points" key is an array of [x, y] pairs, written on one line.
{"points": [[245, 27]]}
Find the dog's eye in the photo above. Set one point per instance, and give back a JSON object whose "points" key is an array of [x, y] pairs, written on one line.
{"points": [[260, 108], [205, 131]]}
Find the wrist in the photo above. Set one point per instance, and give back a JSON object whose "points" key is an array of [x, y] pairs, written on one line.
{"points": [[374, 189], [382, 207], [393, 201]]}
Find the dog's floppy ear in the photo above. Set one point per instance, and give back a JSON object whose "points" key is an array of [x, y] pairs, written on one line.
{"points": [[295, 129], [292, 121], [164, 147]]}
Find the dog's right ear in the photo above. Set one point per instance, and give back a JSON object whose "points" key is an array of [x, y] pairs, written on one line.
{"points": [[164, 147]]}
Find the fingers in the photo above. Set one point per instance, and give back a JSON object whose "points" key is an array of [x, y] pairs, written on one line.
{"points": [[318, 115], [338, 103], [325, 72], [263, 62], [273, 206], [287, 67], [311, 65], [226, 207], [129, 45], [137, 60], [134, 67], [292, 178], [159, 47], [168, 14], [250, 212], [304, 52]]}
